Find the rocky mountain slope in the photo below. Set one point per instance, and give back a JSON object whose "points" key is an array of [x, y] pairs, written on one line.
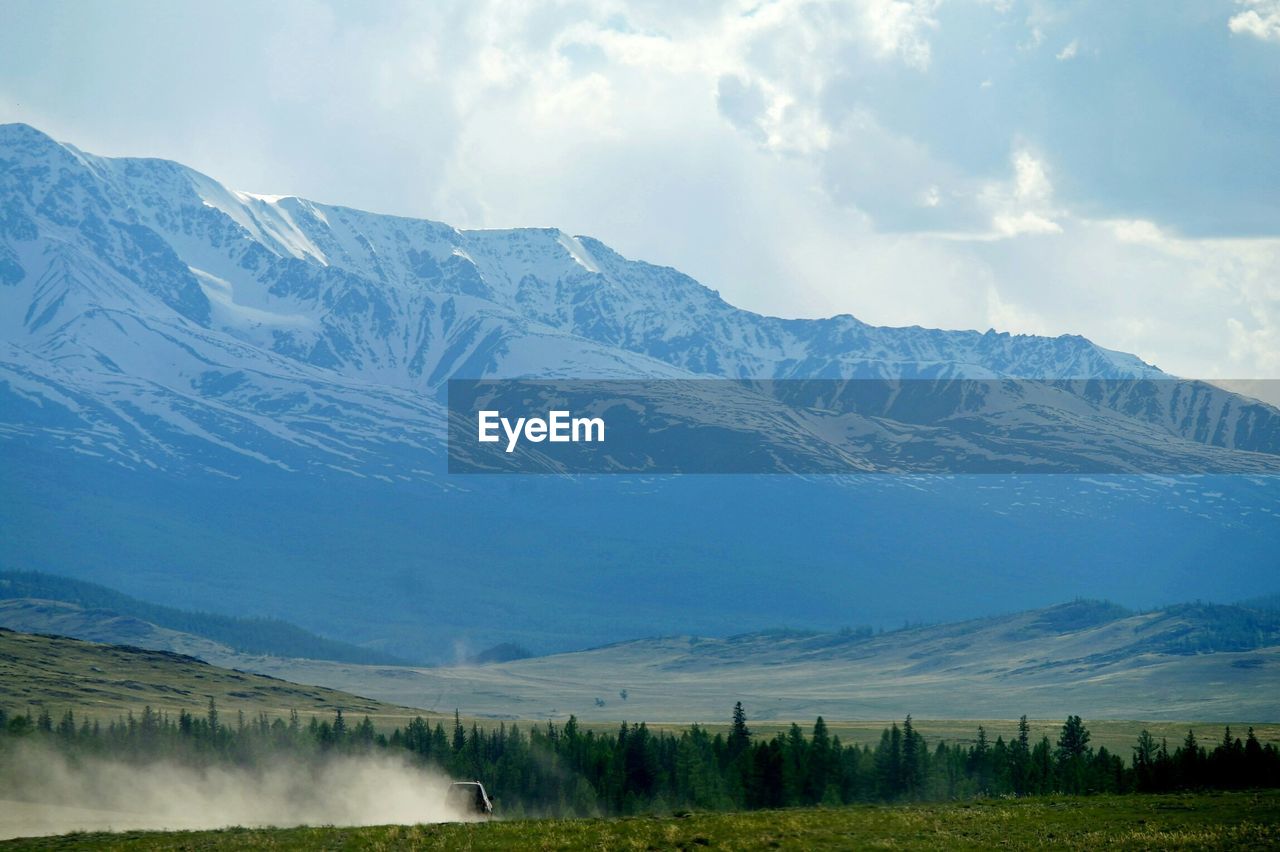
{"points": [[155, 317]]}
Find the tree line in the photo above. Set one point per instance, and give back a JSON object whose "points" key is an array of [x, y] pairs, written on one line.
{"points": [[550, 769]]}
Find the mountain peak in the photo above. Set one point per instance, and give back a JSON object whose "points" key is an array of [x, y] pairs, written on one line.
{"points": [[26, 142], [18, 131]]}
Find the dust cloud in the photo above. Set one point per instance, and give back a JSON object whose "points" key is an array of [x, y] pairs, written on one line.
{"points": [[43, 792]]}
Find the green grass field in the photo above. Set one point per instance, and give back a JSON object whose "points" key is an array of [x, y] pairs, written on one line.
{"points": [[1204, 821]]}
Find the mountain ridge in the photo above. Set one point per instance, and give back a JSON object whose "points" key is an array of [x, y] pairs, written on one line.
{"points": [[302, 229], [166, 319]]}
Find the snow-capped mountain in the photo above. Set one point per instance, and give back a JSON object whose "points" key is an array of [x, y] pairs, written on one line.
{"points": [[408, 302], [173, 354], [150, 314]]}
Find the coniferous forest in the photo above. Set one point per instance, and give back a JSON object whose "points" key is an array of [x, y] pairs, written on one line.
{"points": [[566, 770]]}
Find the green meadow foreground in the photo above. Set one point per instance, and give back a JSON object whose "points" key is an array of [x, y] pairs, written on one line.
{"points": [[1244, 820]]}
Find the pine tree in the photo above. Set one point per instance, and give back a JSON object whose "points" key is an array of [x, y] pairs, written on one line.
{"points": [[888, 763], [67, 726], [739, 733], [1041, 780], [339, 727], [1144, 761], [1188, 759], [912, 748], [364, 733], [1020, 759], [819, 763], [1255, 771], [459, 734], [1073, 747]]}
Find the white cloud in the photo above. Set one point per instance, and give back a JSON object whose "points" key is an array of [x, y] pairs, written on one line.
{"points": [[1031, 183], [1203, 308], [1069, 52], [1026, 222], [714, 144], [1001, 314], [1023, 204], [901, 28], [1261, 19], [1137, 231]]}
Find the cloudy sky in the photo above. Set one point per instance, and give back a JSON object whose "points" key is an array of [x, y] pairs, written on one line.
{"points": [[1105, 168]]}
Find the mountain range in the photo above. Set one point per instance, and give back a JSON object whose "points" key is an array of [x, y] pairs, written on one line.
{"points": [[235, 402]]}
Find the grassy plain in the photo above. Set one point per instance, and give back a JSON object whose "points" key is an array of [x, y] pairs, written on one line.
{"points": [[1204, 821]]}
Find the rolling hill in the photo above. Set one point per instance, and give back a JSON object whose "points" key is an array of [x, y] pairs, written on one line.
{"points": [[102, 681], [56, 618], [1193, 661], [90, 611]]}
